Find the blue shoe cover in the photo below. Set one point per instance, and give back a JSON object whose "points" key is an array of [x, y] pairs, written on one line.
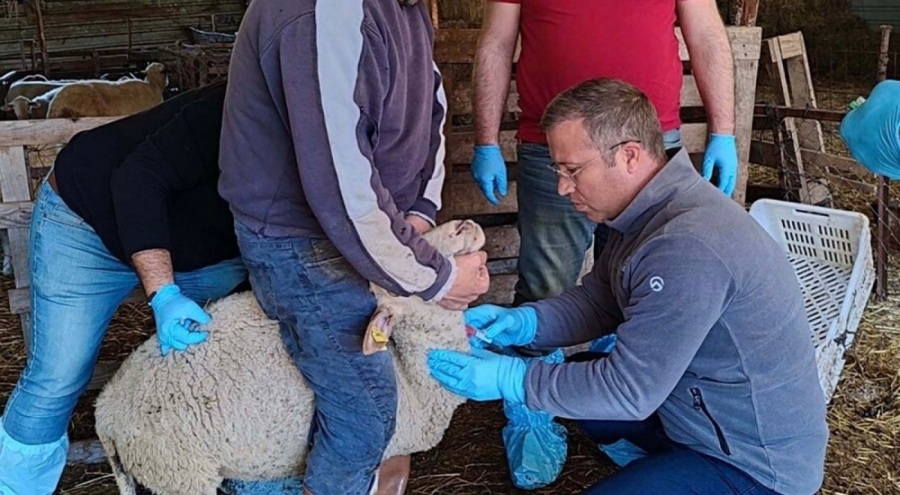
{"points": [[30, 469]]}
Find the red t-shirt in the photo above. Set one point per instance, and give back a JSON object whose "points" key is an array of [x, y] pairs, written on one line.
{"points": [[565, 42]]}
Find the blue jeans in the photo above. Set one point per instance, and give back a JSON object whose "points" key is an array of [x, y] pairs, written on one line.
{"points": [[554, 236], [669, 468], [76, 286], [323, 307]]}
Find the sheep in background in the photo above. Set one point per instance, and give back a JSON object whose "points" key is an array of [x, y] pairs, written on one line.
{"points": [[36, 85], [35, 108], [35, 77], [31, 89], [12, 77], [110, 98], [236, 407]]}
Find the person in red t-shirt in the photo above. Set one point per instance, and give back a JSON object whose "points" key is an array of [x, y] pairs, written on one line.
{"points": [[565, 43]]}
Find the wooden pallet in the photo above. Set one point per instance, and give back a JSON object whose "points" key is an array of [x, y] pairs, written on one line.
{"points": [[787, 66]]}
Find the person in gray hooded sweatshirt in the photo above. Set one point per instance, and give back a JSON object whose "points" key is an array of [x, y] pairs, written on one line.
{"points": [[713, 373], [332, 156]]}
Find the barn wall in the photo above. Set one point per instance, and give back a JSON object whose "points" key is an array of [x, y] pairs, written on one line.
{"points": [[76, 29], [460, 13]]}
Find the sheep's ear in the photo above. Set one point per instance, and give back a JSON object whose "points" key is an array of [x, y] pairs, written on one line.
{"points": [[6, 108], [379, 331]]}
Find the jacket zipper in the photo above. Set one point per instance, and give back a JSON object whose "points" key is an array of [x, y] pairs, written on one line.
{"points": [[701, 406]]}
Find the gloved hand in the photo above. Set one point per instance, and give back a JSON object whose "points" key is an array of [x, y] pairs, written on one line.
{"points": [[721, 154], [872, 130], [481, 375], [489, 171], [503, 326], [174, 314]]}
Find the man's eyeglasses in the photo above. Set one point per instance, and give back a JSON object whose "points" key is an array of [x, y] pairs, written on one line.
{"points": [[572, 169]]}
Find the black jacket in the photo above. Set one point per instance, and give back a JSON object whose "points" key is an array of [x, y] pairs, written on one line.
{"points": [[150, 180]]}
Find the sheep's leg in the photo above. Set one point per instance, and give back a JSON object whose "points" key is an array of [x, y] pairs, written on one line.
{"points": [[123, 480], [393, 475]]}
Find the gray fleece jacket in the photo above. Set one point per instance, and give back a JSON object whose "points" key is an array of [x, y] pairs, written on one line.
{"points": [[712, 335]]}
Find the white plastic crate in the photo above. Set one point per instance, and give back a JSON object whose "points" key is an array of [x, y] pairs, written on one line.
{"points": [[831, 253]]}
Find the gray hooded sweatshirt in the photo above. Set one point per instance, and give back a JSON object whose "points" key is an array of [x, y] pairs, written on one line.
{"points": [[332, 128]]}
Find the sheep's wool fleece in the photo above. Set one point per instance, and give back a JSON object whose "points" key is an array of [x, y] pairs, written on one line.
{"points": [[237, 407]]}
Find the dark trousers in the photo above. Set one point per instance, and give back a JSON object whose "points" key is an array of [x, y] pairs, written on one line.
{"points": [[669, 468]]}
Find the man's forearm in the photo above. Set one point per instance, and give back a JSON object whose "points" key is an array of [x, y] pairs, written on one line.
{"points": [[493, 66], [711, 60], [715, 81], [154, 267]]}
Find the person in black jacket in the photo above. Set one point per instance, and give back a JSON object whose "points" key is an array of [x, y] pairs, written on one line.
{"points": [[131, 202]]}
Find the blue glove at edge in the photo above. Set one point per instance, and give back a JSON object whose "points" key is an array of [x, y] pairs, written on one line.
{"points": [[503, 326], [489, 171], [173, 313], [721, 154], [870, 130], [482, 375]]}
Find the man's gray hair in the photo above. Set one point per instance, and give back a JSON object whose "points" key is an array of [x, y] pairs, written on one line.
{"points": [[613, 111]]}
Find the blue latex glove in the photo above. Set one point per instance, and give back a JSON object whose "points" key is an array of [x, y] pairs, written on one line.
{"points": [[481, 375], [536, 446], [503, 326], [174, 314], [872, 130], [623, 452], [604, 344], [489, 171], [721, 154]]}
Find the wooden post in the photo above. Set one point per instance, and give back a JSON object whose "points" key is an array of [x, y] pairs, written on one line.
{"points": [[743, 12], [433, 9], [42, 38], [22, 54], [883, 187]]}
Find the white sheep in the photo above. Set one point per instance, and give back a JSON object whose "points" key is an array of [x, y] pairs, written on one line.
{"points": [[110, 98], [35, 108], [31, 89], [236, 407]]}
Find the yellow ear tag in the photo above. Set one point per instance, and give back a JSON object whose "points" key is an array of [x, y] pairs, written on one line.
{"points": [[378, 335]]}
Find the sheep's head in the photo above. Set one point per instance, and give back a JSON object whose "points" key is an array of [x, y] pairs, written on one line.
{"points": [[22, 106], [456, 237], [156, 75], [450, 239]]}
